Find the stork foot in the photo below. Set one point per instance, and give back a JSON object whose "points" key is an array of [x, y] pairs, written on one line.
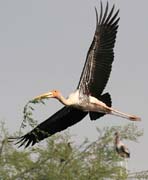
{"points": [[134, 118]]}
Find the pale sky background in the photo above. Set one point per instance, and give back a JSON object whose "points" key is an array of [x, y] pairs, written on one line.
{"points": [[43, 45]]}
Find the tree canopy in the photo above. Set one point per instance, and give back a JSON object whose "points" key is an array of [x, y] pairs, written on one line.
{"points": [[59, 158]]}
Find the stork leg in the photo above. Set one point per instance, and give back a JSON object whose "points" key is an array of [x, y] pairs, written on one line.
{"points": [[123, 115], [103, 108]]}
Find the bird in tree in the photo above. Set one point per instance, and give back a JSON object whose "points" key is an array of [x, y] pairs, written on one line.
{"points": [[121, 148], [88, 97]]}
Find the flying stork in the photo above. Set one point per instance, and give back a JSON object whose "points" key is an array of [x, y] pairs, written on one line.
{"points": [[88, 97]]}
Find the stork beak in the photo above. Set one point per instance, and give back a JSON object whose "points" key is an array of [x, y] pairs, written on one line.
{"points": [[44, 96]]}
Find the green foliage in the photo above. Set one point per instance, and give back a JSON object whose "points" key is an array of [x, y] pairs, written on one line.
{"points": [[58, 158], [143, 175]]}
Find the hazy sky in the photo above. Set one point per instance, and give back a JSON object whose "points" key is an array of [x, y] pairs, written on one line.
{"points": [[43, 45]]}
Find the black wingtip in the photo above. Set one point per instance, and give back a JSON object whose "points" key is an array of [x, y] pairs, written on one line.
{"points": [[111, 21], [17, 141], [103, 19], [21, 140], [105, 14], [101, 13], [96, 17]]}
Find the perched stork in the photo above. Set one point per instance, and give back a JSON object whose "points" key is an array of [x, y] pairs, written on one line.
{"points": [[121, 148], [88, 97]]}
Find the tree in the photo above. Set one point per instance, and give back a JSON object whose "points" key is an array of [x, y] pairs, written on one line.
{"points": [[58, 158]]}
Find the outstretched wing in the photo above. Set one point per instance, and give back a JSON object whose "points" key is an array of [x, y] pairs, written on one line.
{"points": [[59, 121], [100, 56]]}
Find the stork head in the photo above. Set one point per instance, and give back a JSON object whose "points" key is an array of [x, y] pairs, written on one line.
{"points": [[117, 133], [50, 94], [116, 138]]}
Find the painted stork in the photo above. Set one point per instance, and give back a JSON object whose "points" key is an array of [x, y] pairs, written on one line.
{"points": [[88, 97], [121, 148]]}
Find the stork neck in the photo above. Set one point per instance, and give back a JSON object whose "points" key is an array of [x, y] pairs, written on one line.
{"points": [[117, 140], [63, 100]]}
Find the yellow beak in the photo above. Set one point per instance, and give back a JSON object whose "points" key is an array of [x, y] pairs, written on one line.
{"points": [[44, 96]]}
